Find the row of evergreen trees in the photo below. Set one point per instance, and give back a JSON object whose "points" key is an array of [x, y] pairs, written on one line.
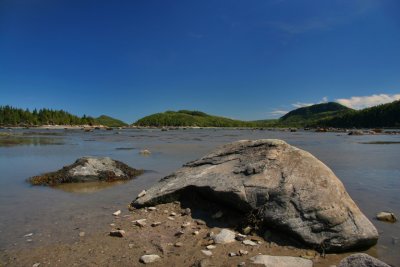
{"points": [[10, 116]]}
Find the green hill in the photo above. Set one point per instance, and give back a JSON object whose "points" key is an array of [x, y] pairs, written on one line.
{"points": [[109, 121], [310, 115], [386, 115], [190, 118]]}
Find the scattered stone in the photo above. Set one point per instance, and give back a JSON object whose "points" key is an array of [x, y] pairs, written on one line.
{"points": [[88, 169], [117, 213], [243, 252], [81, 234], [29, 240], [152, 208], [195, 232], [140, 222], [186, 224], [200, 222], [386, 217], [131, 245], [361, 260], [240, 237], [281, 261], [178, 244], [179, 233], [112, 224], [149, 258], [36, 264], [224, 237], [250, 171], [171, 218], [211, 247], [249, 243], [172, 214], [206, 252], [144, 152], [186, 212], [232, 254], [28, 235], [117, 233], [154, 224], [142, 194], [165, 211], [218, 215]]}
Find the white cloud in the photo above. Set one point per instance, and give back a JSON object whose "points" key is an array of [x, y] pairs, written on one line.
{"points": [[360, 102], [278, 112], [302, 104]]}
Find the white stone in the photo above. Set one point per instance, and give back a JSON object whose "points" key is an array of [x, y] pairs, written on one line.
{"points": [[249, 243], [150, 258], [224, 237], [206, 252], [118, 212]]}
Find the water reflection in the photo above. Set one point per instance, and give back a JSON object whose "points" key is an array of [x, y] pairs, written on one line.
{"points": [[88, 187]]}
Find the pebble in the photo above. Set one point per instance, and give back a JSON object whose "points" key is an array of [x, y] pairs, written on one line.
{"points": [[141, 222], [118, 212], [81, 234], [195, 232], [232, 254], [179, 233], [165, 211], [131, 245], [112, 224], [386, 217], [172, 214], [224, 237], [240, 237], [29, 240], [249, 243], [186, 211], [242, 264], [117, 233], [243, 252], [151, 208], [186, 224], [154, 224], [206, 252], [28, 235], [141, 194], [150, 258], [171, 218], [211, 247], [36, 264], [200, 222], [178, 244]]}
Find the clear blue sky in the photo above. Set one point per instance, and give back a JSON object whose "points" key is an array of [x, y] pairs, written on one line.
{"points": [[240, 59]]}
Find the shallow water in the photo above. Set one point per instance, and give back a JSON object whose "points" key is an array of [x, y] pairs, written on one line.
{"points": [[371, 174]]}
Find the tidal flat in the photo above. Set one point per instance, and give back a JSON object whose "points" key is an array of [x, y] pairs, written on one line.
{"points": [[47, 222]]}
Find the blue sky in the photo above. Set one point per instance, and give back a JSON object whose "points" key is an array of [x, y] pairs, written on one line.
{"points": [[240, 59]]}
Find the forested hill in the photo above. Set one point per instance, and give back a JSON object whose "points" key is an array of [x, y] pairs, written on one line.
{"points": [[312, 114], [386, 115], [190, 118], [10, 116]]}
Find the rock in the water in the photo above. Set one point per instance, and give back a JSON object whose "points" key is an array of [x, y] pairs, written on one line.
{"points": [[291, 189], [88, 169], [281, 261], [361, 260], [386, 216], [224, 237], [150, 258]]}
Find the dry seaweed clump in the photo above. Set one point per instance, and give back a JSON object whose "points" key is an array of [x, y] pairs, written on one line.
{"points": [[88, 169]]}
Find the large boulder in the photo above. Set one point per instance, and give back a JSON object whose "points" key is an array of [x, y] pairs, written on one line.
{"points": [[291, 189], [88, 169]]}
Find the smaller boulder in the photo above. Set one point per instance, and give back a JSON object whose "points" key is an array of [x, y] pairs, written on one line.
{"points": [[361, 260], [386, 217], [224, 237]]}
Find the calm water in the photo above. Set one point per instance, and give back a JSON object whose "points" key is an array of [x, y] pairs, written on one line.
{"points": [[370, 172]]}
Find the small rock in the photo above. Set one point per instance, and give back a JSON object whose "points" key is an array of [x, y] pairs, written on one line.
{"points": [[186, 224], [211, 247], [232, 254], [154, 224], [247, 230], [218, 215], [178, 244], [117, 233], [141, 194], [240, 237], [179, 233], [195, 232], [361, 260], [112, 224], [249, 243], [28, 235], [144, 152], [171, 218], [36, 264], [150, 258], [81, 234], [151, 208], [131, 245], [206, 252], [118, 212], [165, 211], [176, 202], [242, 264], [200, 222], [386, 217], [141, 222], [186, 212], [224, 237], [202, 263], [284, 261], [243, 252], [29, 240], [172, 214]]}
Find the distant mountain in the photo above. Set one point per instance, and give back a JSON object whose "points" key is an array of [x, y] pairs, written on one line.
{"points": [[312, 114], [109, 121], [386, 115], [190, 118]]}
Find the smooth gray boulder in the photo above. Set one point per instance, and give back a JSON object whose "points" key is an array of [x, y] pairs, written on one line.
{"points": [[361, 260], [88, 169], [281, 261], [291, 189]]}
